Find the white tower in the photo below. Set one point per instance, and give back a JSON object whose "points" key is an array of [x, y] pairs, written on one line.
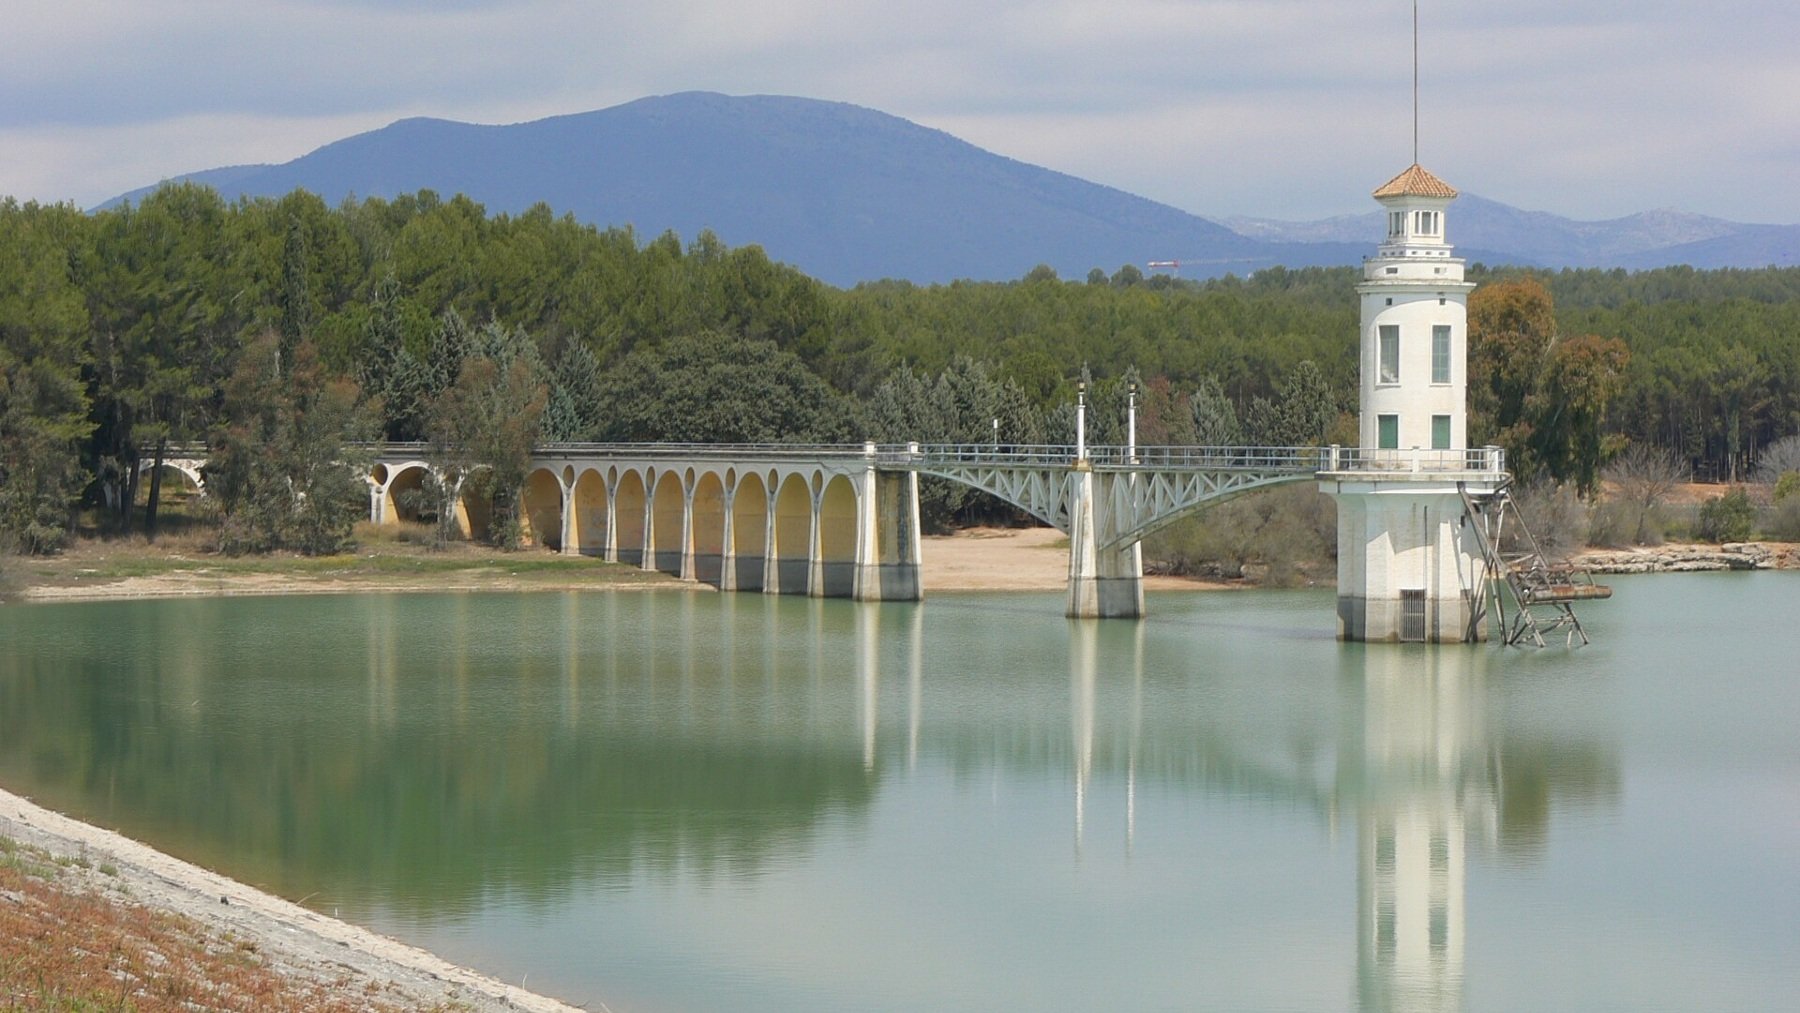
{"points": [[1415, 323], [1409, 565]]}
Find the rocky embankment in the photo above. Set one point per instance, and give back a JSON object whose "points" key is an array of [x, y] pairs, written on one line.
{"points": [[1693, 558]]}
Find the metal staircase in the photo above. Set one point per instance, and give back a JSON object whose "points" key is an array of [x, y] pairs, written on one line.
{"points": [[1543, 592]]}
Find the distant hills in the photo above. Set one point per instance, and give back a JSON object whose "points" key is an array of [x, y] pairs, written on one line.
{"points": [[850, 194]]}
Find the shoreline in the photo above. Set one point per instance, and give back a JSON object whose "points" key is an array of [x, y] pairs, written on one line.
{"points": [[977, 559], [328, 960]]}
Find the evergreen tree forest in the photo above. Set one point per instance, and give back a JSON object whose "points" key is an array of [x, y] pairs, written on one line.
{"points": [[285, 333]]}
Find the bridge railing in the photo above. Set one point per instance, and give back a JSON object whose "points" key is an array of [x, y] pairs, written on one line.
{"points": [[1357, 460]]}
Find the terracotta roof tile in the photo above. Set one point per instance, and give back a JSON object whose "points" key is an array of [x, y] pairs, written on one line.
{"points": [[1415, 182]]}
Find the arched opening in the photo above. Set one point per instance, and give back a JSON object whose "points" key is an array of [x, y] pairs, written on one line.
{"points": [[670, 508], [837, 538], [628, 514], [474, 510], [588, 531], [749, 531], [404, 500], [793, 535], [541, 510], [709, 529]]}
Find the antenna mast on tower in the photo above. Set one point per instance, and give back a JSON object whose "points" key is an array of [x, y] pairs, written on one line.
{"points": [[1415, 82]]}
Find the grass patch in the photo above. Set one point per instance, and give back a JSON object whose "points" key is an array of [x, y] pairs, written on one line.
{"points": [[97, 562]]}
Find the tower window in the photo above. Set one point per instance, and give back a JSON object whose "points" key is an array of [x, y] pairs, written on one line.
{"points": [[1440, 432], [1387, 432], [1389, 342], [1396, 223], [1440, 353], [1425, 223]]}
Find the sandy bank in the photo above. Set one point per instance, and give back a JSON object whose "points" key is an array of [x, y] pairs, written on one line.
{"points": [[1014, 559], [332, 958], [979, 559]]}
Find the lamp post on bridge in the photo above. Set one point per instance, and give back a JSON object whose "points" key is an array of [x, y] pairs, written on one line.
{"points": [[1131, 423], [1081, 421]]}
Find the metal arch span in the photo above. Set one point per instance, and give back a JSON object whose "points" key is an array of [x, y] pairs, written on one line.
{"points": [[1145, 488], [1146, 502]]}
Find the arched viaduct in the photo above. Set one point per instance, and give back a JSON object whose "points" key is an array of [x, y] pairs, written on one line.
{"points": [[825, 522]]}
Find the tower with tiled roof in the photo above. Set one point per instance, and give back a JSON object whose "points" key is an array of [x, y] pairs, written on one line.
{"points": [[1415, 323], [1409, 565]]}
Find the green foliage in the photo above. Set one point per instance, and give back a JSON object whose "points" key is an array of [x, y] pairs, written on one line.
{"points": [[1787, 486], [1300, 415], [483, 428], [1727, 518], [716, 387], [119, 330], [1541, 397], [964, 403], [43, 406], [1215, 420], [283, 470]]}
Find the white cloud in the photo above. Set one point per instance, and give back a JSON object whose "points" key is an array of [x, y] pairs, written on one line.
{"points": [[1269, 107]]}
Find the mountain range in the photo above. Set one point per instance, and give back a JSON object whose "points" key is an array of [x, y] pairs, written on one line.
{"points": [[850, 194]]}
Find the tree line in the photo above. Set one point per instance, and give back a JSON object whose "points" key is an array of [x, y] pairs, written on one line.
{"points": [[283, 331]]}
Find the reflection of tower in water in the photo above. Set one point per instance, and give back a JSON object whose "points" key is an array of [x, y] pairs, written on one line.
{"points": [[1426, 784]]}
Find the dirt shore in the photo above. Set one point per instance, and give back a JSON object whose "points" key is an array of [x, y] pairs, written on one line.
{"points": [[320, 962]]}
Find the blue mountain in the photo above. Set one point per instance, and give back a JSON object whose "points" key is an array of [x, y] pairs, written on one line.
{"points": [[850, 194]]}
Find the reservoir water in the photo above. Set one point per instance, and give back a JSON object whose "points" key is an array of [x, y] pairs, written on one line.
{"points": [[694, 801]]}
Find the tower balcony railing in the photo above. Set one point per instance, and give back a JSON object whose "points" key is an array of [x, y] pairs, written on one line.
{"points": [[1415, 461]]}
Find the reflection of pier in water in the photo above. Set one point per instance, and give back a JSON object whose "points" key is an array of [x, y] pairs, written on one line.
{"points": [[1414, 763]]}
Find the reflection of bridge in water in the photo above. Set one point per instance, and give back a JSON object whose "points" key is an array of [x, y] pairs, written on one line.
{"points": [[843, 521], [1413, 757]]}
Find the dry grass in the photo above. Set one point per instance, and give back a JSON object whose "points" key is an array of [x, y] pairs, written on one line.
{"points": [[386, 558], [66, 947]]}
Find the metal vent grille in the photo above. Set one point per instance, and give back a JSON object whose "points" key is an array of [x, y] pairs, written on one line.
{"points": [[1412, 616]]}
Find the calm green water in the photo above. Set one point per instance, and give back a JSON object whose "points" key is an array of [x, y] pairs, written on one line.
{"points": [[677, 801]]}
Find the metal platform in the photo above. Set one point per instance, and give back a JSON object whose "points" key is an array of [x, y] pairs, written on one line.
{"points": [[1543, 591]]}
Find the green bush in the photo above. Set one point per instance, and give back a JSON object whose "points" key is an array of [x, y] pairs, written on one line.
{"points": [[1727, 518], [1285, 536], [1787, 486]]}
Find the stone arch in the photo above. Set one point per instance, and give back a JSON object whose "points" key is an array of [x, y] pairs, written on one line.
{"points": [[628, 516], [404, 499], [587, 530], [837, 538], [709, 528], [181, 479], [750, 530], [669, 510], [793, 535], [541, 510]]}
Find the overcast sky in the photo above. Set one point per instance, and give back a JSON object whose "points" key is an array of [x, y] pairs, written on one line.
{"points": [[1272, 108]]}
